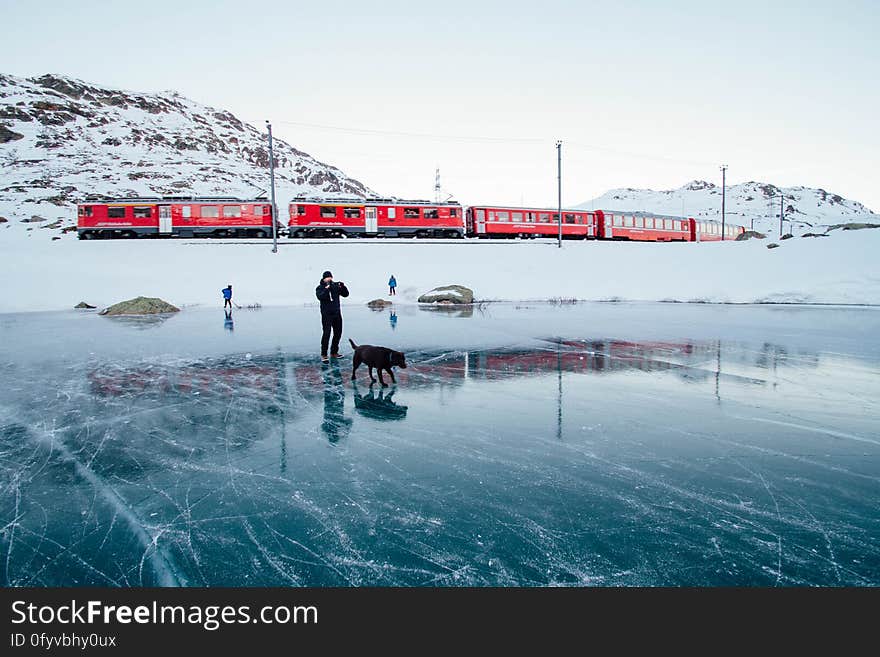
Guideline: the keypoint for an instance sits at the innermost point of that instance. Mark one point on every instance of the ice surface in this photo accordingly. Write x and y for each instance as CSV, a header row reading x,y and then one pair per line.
x,y
592,444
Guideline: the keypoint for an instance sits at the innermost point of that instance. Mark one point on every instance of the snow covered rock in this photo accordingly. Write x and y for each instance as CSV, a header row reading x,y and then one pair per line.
x,y
448,294
140,306
749,234
378,304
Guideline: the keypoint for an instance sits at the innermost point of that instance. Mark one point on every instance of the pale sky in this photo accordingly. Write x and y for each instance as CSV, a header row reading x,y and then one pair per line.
x,y
642,94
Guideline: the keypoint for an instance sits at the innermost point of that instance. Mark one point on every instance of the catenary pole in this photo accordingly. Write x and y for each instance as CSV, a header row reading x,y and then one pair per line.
x,y
272,184
559,188
781,210
723,197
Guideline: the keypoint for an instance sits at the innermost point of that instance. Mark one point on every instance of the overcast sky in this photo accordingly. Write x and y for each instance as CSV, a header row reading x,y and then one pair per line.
x,y
642,94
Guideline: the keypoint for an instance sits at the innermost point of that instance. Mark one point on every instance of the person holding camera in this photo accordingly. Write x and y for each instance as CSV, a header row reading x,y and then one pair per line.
x,y
328,293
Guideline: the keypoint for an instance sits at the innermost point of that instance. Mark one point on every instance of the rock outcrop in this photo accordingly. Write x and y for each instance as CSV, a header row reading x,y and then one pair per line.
x,y
140,306
457,294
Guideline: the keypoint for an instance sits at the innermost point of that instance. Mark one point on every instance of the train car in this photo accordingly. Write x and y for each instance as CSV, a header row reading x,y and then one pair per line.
x,y
641,226
509,222
709,230
174,217
373,217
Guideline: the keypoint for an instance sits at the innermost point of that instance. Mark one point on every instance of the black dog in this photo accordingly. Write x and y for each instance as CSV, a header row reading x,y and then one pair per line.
x,y
382,358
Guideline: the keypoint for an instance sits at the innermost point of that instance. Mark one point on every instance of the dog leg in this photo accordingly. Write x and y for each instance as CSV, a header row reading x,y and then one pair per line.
x,y
391,372
356,363
370,370
381,380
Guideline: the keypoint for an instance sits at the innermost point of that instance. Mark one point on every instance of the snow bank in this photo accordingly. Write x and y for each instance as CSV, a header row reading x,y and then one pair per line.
x,y
48,275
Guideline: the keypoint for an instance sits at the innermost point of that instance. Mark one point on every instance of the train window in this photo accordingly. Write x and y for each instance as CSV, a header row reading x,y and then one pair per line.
x,y
352,213
392,213
649,222
142,212
453,212
231,211
676,225
530,216
502,215
569,218
86,211
638,222
618,221
301,209
544,217
210,212
116,213
186,211
667,224
410,213
430,213
555,218
481,215
328,212
516,216
628,221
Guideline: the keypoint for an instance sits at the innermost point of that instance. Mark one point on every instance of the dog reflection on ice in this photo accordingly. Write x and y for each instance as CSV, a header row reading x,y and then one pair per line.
x,y
378,407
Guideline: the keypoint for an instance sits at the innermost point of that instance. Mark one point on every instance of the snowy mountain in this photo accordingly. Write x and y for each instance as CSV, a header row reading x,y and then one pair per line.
x,y
804,207
62,139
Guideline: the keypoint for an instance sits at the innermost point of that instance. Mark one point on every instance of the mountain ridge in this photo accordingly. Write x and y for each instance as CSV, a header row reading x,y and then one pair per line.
x,y
63,139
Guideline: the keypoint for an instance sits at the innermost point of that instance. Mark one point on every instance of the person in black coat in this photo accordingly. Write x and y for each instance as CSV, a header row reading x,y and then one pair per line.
x,y
328,293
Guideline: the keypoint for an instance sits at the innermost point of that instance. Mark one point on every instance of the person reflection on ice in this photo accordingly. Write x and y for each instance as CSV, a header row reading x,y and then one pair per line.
x,y
393,320
227,323
335,424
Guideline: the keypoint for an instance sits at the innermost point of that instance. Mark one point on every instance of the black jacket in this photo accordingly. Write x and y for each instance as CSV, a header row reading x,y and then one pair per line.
x,y
329,297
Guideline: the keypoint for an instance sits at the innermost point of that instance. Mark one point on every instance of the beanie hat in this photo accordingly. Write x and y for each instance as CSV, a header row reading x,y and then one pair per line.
x,y
326,274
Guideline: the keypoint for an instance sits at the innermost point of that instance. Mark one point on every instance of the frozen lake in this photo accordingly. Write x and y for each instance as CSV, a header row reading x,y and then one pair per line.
x,y
589,444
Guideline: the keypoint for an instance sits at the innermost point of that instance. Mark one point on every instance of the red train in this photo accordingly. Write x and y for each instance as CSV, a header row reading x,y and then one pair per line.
x,y
175,217
374,217
232,217
387,218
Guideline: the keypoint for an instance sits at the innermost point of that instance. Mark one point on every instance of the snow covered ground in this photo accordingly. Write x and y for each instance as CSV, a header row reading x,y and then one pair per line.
x,y
43,274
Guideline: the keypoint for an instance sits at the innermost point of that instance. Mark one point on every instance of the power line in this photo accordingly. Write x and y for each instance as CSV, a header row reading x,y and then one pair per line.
x,y
489,139
417,135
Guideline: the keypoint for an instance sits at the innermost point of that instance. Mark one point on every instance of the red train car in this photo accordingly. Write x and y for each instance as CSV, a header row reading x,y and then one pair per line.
x,y
500,222
709,230
175,217
373,217
641,226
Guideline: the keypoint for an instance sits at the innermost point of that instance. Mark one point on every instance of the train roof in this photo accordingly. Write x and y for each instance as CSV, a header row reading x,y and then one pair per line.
x,y
172,199
368,201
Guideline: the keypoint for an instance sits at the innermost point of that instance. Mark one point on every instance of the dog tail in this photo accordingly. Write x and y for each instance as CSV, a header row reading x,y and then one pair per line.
x,y
353,345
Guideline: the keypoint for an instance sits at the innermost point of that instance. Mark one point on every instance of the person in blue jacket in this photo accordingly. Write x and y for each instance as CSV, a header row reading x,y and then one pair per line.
x,y
227,296
392,285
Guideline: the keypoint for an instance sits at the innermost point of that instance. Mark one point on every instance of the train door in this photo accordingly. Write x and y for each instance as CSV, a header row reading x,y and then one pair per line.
x,y
608,219
164,219
371,223
480,221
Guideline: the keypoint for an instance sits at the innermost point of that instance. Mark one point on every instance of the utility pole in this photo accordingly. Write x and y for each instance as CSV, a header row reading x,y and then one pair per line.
x,y
272,183
437,186
781,210
723,197
559,181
